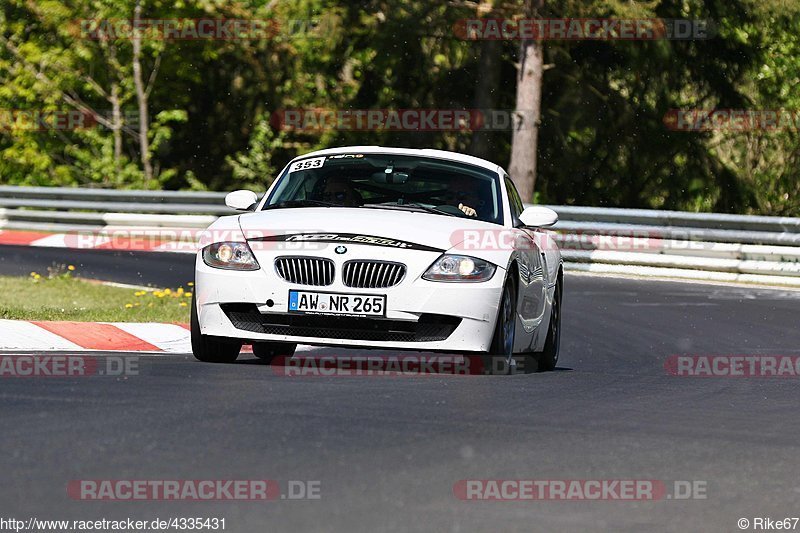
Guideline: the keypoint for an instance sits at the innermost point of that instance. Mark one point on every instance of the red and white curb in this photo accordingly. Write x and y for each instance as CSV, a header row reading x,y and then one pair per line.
x,y
145,337
152,240
90,336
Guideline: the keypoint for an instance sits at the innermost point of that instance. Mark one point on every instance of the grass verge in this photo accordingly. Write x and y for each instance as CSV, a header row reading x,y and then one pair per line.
x,y
59,296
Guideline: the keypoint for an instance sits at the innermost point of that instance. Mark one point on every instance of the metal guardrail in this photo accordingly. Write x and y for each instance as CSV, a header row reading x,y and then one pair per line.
x,y
708,246
120,201
112,195
679,219
703,246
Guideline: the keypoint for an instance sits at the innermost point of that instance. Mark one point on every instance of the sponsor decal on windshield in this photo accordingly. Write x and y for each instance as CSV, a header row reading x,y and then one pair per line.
x,y
346,156
368,240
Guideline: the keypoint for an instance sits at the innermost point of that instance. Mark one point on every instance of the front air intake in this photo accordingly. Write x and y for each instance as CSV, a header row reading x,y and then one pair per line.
x,y
315,271
372,274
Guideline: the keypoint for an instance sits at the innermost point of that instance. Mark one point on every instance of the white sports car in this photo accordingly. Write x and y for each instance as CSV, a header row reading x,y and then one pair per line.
x,y
390,248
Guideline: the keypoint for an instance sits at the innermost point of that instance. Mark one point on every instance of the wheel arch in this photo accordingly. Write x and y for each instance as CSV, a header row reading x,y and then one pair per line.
x,y
512,273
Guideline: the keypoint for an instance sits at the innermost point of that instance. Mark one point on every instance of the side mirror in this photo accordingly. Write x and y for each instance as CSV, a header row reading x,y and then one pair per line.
x,y
241,200
538,217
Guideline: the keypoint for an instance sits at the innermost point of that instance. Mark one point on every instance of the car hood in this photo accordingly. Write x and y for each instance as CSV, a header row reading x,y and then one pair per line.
x,y
382,227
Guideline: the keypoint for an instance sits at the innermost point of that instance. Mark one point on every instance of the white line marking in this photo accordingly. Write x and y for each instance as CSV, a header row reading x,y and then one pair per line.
x,y
21,335
51,241
169,337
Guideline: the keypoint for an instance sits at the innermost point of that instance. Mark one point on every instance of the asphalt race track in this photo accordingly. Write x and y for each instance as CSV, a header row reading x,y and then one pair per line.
x,y
387,451
135,268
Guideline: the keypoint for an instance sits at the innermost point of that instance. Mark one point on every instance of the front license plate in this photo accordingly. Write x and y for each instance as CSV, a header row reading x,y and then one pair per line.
x,y
328,303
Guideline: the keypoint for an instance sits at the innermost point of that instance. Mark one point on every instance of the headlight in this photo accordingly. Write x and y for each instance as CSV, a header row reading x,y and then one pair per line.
x,y
230,255
459,268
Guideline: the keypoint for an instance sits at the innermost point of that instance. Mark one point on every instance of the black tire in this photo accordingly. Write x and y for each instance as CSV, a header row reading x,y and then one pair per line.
x,y
208,349
500,358
548,358
267,351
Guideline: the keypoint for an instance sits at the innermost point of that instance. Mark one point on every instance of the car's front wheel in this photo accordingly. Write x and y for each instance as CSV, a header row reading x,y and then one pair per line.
x,y
267,351
500,358
209,349
548,358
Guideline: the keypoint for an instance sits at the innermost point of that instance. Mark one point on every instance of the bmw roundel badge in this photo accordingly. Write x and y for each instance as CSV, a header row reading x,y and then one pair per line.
x,y
340,250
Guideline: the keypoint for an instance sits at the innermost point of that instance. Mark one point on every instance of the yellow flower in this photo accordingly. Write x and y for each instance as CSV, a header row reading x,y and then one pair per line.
x,y
183,304
128,306
167,292
188,294
71,268
158,294
34,274
140,293
190,284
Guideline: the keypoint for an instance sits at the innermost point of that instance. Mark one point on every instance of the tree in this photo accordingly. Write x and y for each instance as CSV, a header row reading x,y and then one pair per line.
x,y
527,109
598,137
142,96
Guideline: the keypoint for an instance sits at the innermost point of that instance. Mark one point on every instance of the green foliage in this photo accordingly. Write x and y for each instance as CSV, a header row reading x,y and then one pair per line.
x,y
768,162
602,138
254,168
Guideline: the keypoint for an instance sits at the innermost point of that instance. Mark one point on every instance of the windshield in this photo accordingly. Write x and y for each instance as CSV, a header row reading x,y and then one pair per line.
x,y
391,182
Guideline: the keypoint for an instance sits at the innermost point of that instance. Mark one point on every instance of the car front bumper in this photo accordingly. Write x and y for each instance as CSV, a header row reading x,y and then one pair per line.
x,y
420,315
